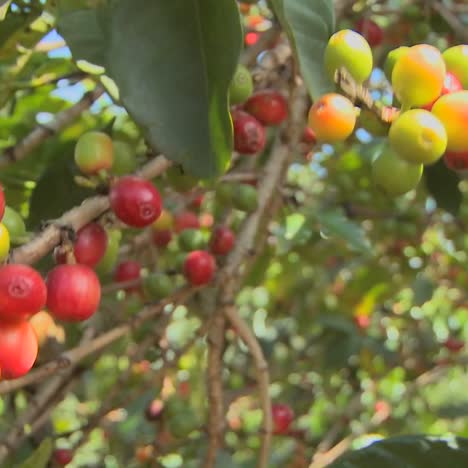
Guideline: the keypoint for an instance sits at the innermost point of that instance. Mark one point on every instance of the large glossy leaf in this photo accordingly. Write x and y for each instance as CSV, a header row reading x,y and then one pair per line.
x,y
4,4
409,452
442,184
172,62
309,24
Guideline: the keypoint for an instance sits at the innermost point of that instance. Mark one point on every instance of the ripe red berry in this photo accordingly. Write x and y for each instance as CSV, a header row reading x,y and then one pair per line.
x,y
90,245
73,292
249,133
199,267
309,136
135,201
371,31
63,456
197,201
18,348
2,203
22,292
283,416
222,240
186,220
454,344
128,271
268,106
362,321
456,161
451,85
162,238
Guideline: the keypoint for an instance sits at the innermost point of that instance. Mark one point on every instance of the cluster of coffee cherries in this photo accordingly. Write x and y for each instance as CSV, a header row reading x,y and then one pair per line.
x,y
430,117
253,111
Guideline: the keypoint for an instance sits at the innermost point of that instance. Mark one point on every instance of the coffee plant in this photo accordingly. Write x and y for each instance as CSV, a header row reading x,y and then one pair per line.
x,y
233,234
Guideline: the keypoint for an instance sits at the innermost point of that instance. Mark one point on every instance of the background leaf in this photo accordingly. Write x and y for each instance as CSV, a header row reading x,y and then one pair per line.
x,y
40,457
409,452
176,91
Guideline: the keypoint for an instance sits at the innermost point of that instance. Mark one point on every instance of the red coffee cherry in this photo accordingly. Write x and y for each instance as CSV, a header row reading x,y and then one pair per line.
x,y
162,238
73,292
371,31
222,241
249,133
22,292
186,220
18,348
135,201
90,245
268,106
451,85
199,267
63,456
456,161
309,136
283,416
127,271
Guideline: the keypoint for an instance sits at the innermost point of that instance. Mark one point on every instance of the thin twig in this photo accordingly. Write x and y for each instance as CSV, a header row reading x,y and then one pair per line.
x,y
263,380
452,20
39,134
77,217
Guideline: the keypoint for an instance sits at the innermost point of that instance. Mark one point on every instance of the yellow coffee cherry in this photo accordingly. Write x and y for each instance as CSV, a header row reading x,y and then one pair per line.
x,y
4,242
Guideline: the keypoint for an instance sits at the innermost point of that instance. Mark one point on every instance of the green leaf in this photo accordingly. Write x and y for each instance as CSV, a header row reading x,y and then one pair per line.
x,y
309,25
442,184
56,191
336,224
40,457
4,4
409,452
183,57
423,290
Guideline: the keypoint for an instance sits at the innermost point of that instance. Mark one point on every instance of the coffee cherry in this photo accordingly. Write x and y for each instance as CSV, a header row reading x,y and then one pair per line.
x,y
73,292
418,75
124,161
453,344
456,161
14,223
109,259
127,271
93,152
268,106
350,50
283,416
241,86
245,198
199,267
332,118
22,292
63,456
418,137
222,240
42,324
135,201
191,239
161,238
451,85
180,180
186,220
249,133
154,410
371,31
165,221
90,245
392,58
158,286
4,242
452,111
394,175
18,348
309,136
456,59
